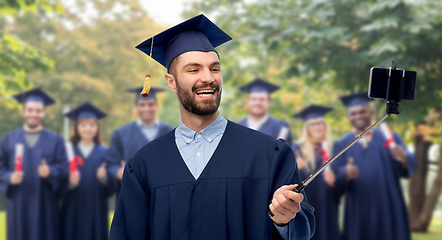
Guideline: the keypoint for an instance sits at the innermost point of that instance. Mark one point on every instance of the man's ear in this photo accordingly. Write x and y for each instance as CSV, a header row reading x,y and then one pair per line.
x,y
171,82
22,110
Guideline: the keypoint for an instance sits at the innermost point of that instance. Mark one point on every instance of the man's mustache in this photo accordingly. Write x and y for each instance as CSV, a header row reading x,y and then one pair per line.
x,y
211,85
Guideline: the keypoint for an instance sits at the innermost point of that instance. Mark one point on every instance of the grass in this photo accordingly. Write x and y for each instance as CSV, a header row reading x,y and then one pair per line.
x,y
434,232
2,225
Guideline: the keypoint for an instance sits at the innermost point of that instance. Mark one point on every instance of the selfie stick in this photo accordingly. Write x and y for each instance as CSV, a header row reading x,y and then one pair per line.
x,y
312,176
392,108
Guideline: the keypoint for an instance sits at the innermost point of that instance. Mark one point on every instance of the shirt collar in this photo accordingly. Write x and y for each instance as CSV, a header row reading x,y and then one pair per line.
x,y
256,124
209,133
154,124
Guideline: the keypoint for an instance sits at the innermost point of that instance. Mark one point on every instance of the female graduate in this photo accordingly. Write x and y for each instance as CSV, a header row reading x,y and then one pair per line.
x,y
85,210
311,152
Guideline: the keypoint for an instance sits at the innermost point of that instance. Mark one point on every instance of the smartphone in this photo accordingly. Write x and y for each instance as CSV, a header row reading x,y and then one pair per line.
x,y
391,84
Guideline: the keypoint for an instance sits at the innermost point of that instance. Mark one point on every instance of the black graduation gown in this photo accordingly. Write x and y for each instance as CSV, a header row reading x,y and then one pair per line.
x,y
271,127
125,142
160,198
374,202
325,200
85,208
33,206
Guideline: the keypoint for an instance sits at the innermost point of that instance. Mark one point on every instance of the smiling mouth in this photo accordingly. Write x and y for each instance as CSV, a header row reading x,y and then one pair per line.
x,y
205,92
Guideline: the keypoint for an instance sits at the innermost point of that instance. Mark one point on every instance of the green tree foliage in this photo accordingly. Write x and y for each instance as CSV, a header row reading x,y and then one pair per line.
x,y
315,38
330,47
92,44
17,57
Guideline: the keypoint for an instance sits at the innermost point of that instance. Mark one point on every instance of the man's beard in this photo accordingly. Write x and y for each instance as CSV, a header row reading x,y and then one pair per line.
x,y
32,126
203,109
362,127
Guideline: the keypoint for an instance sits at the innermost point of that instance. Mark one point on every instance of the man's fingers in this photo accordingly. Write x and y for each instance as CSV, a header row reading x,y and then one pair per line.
x,y
278,216
286,205
294,196
287,187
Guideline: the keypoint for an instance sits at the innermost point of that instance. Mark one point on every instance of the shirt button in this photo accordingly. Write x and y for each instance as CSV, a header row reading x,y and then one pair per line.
x,y
209,139
188,141
198,154
198,136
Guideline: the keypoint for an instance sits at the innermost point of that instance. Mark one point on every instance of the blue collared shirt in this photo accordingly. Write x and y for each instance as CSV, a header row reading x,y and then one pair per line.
x,y
196,148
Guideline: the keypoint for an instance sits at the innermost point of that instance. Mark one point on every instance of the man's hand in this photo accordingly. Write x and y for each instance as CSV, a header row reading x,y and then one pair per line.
x,y
399,154
300,161
16,178
329,177
101,172
43,169
351,170
120,172
74,178
285,204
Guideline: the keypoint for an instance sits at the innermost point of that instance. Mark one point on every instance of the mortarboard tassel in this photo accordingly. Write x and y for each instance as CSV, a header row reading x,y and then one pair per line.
x,y
146,85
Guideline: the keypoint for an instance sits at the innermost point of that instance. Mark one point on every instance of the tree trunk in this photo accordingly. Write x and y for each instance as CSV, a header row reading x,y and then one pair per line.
x,y
433,196
417,184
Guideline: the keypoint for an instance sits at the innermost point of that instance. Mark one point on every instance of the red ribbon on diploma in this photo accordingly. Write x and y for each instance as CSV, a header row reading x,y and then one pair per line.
x,y
74,163
18,157
18,164
324,153
388,134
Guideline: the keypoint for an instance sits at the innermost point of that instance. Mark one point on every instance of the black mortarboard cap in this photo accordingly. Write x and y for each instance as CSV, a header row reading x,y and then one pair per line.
x,y
312,112
35,94
195,34
86,110
259,85
355,99
152,93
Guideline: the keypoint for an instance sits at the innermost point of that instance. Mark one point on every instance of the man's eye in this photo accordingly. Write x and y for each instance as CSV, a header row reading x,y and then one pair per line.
x,y
216,69
193,70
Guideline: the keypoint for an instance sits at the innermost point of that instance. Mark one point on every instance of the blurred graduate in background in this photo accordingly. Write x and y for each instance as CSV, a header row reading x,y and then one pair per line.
x,y
128,139
258,104
33,165
369,173
311,151
85,208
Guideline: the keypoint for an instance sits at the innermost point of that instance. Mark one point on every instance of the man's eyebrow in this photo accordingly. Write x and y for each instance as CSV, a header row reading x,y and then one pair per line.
x,y
192,65
199,65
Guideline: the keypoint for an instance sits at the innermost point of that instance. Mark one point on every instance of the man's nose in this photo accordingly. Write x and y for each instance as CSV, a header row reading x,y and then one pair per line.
x,y
207,76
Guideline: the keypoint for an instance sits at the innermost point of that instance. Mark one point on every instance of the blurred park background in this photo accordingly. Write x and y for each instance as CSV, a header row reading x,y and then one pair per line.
x,y
315,50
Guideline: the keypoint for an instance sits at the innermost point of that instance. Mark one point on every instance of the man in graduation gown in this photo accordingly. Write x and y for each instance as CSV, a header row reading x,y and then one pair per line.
x,y
258,103
369,173
128,139
209,178
33,165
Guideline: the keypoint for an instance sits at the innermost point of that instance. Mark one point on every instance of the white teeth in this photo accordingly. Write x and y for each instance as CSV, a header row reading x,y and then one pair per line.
x,y
201,92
